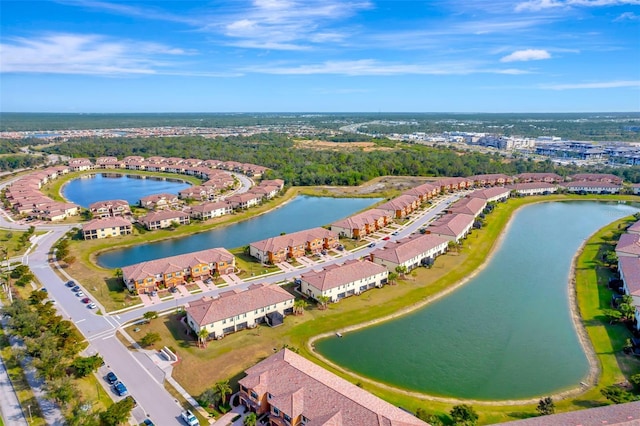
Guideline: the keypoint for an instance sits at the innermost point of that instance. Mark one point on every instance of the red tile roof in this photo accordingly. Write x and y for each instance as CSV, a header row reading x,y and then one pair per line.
x,y
322,397
400,251
208,310
629,243
336,275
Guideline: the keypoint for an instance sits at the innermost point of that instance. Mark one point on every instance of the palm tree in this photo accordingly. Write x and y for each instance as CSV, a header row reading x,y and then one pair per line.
x,y
392,277
202,337
222,389
250,420
401,270
299,306
323,300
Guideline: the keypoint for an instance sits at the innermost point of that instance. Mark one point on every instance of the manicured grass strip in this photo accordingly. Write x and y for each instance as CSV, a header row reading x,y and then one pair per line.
x,y
20,384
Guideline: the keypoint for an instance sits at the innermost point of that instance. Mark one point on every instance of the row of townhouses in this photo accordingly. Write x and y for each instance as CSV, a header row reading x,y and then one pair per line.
x,y
164,273
25,197
165,215
628,252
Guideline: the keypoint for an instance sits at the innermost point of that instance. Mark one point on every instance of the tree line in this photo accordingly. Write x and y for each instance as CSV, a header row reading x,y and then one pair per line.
x,y
304,166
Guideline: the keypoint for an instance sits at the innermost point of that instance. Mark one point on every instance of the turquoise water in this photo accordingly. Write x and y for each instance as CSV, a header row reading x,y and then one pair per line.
x,y
112,186
506,334
300,213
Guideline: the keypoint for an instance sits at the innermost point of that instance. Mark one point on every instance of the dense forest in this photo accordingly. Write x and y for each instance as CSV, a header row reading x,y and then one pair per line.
x,y
13,162
307,166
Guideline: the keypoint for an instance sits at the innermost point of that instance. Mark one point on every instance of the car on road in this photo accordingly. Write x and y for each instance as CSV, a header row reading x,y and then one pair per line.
x,y
79,294
44,290
86,300
372,245
395,233
92,305
70,284
111,377
387,238
76,288
148,422
120,389
189,418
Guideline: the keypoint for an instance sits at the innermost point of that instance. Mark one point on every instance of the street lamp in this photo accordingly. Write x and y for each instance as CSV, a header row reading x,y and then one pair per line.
x,y
30,418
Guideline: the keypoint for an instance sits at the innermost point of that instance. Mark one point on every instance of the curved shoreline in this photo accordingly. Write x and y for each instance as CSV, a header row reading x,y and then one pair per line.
x,y
581,332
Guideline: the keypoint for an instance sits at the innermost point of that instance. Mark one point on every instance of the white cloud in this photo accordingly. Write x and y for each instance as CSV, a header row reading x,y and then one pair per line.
x,y
526,55
285,25
627,16
596,85
537,5
64,53
371,67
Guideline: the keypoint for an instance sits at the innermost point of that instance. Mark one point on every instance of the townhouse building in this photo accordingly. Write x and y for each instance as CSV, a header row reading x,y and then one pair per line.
x,y
105,228
493,194
533,188
110,208
291,390
210,210
628,245
160,201
164,219
236,310
290,246
423,192
539,177
453,227
153,275
401,206
491,179
244,201
339,281
596,177
80,164
361,224
410,252
107,163
592,187
468,205
634,228
629,270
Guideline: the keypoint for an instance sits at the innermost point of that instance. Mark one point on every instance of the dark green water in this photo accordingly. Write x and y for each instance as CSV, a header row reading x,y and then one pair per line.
x,y
507,334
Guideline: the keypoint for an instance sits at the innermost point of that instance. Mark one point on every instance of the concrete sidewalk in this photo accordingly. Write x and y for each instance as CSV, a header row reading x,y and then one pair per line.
x,y
10,408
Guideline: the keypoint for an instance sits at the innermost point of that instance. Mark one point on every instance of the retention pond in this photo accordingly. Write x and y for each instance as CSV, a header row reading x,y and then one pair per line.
x,y
300,213
506,334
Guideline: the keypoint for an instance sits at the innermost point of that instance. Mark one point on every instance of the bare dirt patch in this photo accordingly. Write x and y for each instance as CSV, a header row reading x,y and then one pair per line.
x,y
339,146
378,185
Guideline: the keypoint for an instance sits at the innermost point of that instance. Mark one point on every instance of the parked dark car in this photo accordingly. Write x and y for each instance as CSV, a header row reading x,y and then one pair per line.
x,y
70,284
120,389
111,377
76,288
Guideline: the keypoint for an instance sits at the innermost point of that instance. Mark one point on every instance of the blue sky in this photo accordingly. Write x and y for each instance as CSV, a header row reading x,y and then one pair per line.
x,y
323,56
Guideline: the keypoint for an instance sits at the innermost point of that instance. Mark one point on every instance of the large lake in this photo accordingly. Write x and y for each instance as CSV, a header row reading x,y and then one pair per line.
x,y
507,334
111,186
300,213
